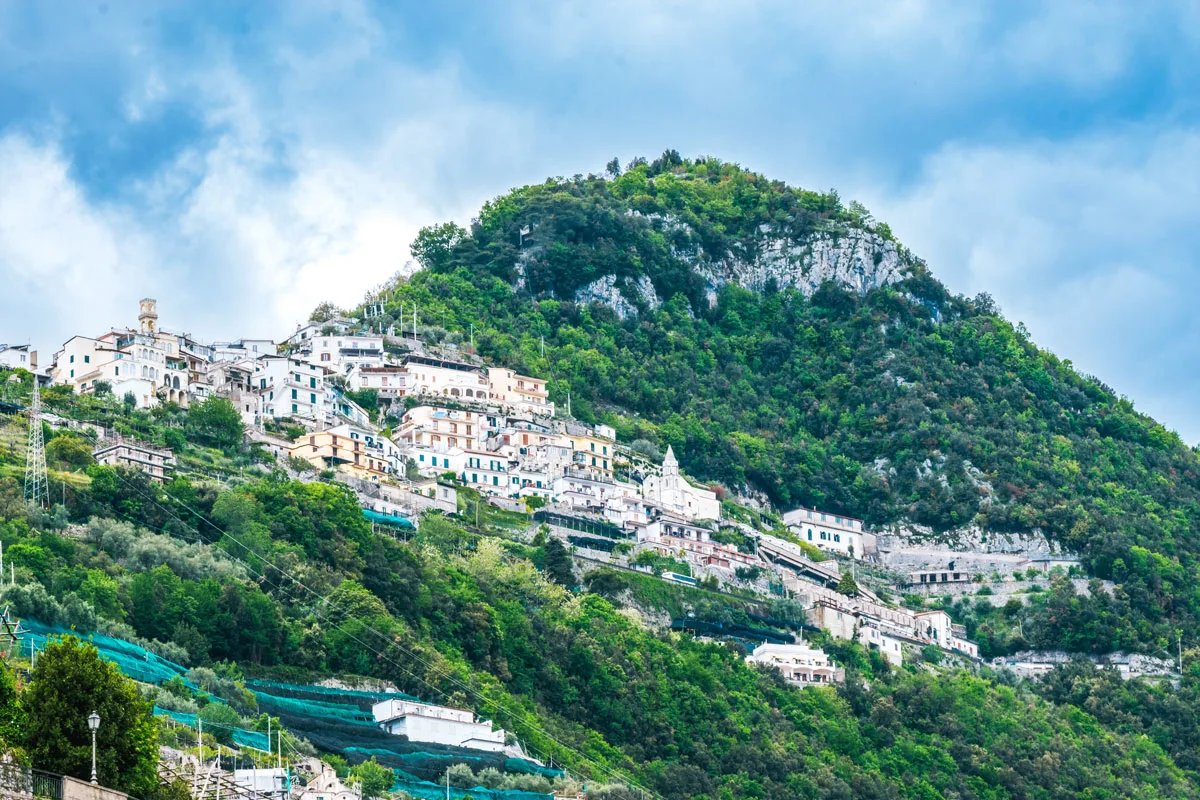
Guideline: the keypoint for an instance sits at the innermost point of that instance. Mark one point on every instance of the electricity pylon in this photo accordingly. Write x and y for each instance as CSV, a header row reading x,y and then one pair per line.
x,y
37,485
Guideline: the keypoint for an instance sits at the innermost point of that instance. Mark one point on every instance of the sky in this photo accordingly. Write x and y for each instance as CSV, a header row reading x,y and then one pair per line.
x,y
243,162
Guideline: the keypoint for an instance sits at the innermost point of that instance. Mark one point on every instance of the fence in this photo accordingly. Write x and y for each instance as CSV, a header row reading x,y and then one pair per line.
x,y
23,782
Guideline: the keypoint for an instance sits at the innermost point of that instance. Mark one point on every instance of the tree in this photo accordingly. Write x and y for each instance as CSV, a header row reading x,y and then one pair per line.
x,y
847,585
175,439
613,168
71,680
102,388
374,777
216,422
11,716
324,313
223,720
70,450
558,564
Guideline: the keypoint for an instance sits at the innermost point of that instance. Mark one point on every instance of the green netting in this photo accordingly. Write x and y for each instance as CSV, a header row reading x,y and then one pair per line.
x,y
432,791
340,721
385,519
136,662
334,720
280,689
240,736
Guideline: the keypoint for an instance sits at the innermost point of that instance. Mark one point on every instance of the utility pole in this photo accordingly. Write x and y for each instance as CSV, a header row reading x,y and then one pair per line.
x,y
37,486
199,754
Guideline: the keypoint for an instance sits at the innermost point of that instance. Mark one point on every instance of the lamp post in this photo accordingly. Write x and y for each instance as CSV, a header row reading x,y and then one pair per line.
x,y
93,726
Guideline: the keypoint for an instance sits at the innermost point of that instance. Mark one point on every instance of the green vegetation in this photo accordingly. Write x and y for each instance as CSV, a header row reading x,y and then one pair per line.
x,y
904,403
901,403
71,681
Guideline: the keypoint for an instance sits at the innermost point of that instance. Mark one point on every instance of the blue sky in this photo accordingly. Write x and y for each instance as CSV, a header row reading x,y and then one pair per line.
x,y
243,162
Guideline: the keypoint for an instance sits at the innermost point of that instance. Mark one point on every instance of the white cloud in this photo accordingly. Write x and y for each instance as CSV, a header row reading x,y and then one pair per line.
x,y
60,258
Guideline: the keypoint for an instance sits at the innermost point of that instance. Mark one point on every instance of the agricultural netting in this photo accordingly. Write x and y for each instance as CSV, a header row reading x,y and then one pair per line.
x,y
335,720
431,791
241,736
136,662
340,721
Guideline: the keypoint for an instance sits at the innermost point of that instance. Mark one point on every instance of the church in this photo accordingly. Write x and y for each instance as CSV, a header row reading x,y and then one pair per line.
x,y
673,492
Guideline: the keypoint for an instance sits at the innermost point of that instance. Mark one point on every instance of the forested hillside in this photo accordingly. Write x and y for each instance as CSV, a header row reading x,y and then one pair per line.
x,y
900,404
265,577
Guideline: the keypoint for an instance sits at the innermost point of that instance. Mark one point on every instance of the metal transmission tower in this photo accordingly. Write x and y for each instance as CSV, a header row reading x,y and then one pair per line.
x,y
37,485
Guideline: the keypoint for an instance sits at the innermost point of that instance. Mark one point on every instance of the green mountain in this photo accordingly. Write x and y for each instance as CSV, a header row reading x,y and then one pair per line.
x,y
787,347
784,344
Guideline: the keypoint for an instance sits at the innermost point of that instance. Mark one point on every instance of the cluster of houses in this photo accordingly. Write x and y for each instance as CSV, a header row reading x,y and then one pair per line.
x,y
458,423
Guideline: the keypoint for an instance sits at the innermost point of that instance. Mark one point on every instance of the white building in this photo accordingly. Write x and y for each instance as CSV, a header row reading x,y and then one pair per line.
x,y
490,473
438,377
798,663
679,538
18,356
831,532
265,782
342,353
289,387
422,722
311,329
673,492
242,349
148,363
326,785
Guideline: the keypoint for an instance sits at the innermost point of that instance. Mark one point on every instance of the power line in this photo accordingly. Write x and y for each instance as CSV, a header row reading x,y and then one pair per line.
x,y
325,601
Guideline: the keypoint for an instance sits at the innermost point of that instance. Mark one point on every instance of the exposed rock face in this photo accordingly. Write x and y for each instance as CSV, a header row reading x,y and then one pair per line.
x,y
857,259
625,298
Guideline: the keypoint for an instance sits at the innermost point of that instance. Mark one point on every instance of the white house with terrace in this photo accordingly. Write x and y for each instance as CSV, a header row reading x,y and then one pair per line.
x,y
832,532
799,664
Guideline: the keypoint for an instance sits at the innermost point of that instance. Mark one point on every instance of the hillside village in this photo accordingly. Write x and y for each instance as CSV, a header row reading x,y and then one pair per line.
x,y
443,421
412,429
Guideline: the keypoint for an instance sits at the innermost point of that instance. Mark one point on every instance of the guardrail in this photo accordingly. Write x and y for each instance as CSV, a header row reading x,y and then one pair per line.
x,y
18,781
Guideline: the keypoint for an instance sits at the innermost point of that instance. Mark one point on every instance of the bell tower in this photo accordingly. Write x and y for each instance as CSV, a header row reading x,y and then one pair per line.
x,y
148,316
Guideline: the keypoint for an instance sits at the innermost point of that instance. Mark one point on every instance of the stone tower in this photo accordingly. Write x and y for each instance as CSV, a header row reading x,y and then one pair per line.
x,y
670,472
148,316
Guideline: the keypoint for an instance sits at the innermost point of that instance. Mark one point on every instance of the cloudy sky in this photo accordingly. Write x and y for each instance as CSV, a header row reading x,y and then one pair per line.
x,y
242,163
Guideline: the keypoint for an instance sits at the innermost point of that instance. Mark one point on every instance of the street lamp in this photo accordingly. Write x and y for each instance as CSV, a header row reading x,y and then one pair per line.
x,y
93,726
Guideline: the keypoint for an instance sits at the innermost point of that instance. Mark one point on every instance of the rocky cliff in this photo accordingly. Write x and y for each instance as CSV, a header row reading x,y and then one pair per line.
x,y
858,259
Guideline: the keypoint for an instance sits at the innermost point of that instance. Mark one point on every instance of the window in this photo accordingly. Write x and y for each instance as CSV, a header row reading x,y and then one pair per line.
x,y
72,359
72,373
312,383
294,409
495,481
87,359
312,398
116,370
837,537
324,356
810,534
293,394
